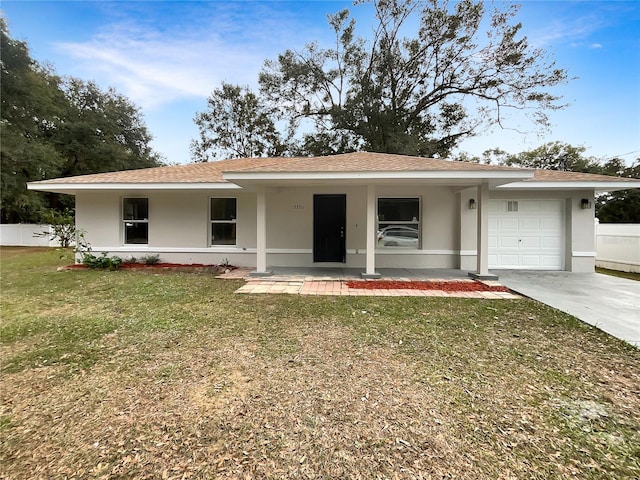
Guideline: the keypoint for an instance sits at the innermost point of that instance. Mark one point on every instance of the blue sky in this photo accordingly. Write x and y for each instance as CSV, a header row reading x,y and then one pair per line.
x,y
167,57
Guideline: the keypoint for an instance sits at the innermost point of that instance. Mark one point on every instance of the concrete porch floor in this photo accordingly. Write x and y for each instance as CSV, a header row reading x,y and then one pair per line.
x,y
338,274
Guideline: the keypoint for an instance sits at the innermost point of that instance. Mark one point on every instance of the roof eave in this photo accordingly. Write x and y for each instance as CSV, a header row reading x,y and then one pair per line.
x,y
599,186
73,188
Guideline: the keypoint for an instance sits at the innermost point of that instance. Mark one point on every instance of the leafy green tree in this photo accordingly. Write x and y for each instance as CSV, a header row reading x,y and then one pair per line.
x,y
235,125
101,131
554,156
461,69
495,156
53,128
622,206
31,103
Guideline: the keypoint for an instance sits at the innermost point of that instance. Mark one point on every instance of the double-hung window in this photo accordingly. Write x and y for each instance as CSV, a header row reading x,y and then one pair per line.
x,y
399,222
223,221
135,215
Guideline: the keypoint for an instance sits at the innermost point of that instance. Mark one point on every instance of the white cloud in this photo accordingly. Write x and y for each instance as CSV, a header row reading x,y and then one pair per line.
x,y
564,29
156,61
596,45
153,71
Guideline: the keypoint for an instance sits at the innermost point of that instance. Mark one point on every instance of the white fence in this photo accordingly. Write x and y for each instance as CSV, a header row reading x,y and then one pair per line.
x,y
23,235
618,246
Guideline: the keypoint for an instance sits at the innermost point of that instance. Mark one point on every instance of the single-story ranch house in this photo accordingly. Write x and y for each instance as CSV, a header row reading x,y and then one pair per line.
x,y
360,210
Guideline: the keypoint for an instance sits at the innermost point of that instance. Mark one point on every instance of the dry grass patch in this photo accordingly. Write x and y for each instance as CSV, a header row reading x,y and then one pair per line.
x,y
173,376
229,412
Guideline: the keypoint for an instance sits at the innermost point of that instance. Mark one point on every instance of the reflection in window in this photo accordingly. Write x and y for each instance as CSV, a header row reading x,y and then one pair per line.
x,y
399,222
135,215
223,221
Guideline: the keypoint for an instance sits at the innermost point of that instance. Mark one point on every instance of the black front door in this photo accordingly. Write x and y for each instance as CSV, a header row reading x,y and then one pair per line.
x,y
329,225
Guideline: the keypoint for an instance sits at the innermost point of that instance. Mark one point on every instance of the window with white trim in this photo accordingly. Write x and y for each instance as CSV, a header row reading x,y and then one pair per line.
x,y
135,217
223,214
399,222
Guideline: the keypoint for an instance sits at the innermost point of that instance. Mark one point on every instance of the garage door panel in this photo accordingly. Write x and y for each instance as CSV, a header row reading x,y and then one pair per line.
x,y
508,223
509,260
551,206
529,223
498,206
529,206
551,262
530,260
508,242
552,242
531,237
530,242
551,223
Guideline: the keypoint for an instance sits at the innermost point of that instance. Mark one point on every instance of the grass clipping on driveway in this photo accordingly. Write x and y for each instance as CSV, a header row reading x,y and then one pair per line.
x,y
151,375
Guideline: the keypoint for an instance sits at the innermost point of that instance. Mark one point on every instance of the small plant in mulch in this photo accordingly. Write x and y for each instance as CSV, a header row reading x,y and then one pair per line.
x,y
88,259
102,262
464,286
150,259
225,266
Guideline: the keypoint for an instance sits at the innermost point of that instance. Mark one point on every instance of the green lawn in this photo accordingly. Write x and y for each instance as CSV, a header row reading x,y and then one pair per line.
x,y
617,273
172,375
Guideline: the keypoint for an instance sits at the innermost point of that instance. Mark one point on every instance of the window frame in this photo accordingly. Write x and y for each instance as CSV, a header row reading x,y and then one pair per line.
x,y
233,222
137,221
387,223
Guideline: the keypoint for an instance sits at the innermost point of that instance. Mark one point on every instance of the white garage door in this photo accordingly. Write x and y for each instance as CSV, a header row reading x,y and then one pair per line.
x,y
527,234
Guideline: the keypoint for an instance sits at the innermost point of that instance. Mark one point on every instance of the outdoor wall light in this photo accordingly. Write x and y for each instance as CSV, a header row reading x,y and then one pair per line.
x,y
472,204
585,204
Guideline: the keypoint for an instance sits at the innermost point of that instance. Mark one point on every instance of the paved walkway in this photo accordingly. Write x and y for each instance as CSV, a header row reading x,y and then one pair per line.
x,y
611,304
340,287
334,282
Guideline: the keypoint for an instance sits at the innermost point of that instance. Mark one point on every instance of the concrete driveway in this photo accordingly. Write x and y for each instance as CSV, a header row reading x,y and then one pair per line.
x,y
609,303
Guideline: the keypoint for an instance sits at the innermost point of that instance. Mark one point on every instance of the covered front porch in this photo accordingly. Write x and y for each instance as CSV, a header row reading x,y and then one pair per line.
x,y
451,223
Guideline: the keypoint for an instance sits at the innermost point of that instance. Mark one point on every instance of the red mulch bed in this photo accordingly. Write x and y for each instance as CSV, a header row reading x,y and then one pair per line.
x,y
127,266
474,286
166,265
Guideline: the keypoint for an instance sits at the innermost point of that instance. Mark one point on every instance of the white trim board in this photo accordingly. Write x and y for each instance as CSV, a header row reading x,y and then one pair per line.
x,y
596,186
289,251
72,187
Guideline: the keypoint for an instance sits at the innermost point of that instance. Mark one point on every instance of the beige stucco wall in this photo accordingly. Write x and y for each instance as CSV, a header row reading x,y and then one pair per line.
x,y
290,226
179,226
98,216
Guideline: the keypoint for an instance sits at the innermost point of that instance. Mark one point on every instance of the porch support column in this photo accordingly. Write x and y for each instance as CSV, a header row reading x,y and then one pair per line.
x,y
370,226
261,234
482,254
